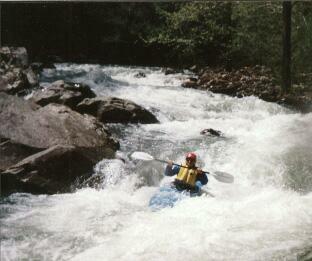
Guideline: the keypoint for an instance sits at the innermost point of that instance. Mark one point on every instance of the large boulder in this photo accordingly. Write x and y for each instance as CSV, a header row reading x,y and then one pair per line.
x,y
69,145
115,110
69,94
43,127
50,171
12,152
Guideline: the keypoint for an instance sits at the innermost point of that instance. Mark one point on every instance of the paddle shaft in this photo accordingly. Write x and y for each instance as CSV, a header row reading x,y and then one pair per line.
x,y
218,175
164,161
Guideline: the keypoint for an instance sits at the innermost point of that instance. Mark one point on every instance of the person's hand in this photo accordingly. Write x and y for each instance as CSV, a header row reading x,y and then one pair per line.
x,y
198,186
170,163
200,171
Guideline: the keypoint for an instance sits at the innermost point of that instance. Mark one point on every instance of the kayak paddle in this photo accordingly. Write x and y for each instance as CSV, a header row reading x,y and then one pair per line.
x,y
218,175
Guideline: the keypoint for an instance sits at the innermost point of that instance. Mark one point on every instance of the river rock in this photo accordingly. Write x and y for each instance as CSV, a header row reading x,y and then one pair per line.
x,y
140,75
69,94
42,127
212,132
171,70
247,81
72,144
12,152
115,110
50,171
191,83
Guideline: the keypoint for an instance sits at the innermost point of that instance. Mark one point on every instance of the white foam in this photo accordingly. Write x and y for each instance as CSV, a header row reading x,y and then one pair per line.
x,y
264,215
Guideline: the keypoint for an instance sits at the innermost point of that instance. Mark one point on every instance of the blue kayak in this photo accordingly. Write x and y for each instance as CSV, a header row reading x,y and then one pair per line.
x,y
168,196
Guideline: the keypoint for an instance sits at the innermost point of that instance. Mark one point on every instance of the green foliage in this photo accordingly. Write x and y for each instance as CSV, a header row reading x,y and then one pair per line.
x,y
257,33
232,33
195,31
302,41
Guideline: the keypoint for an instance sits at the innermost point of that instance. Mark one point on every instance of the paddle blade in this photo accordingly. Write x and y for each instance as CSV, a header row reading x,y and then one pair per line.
x,y
140,155
223,177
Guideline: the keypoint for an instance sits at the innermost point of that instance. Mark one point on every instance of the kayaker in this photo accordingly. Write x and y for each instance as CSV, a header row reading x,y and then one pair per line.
x,y
189,177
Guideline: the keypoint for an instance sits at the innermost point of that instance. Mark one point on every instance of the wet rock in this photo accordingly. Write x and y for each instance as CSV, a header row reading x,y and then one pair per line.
x,y
211,132
70,144
170,71
246,81
42,127
191,83
50,171
115,110
12,152
69,94
140,75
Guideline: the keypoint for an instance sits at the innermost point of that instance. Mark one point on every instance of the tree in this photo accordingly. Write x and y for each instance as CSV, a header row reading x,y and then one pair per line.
x,y
286,63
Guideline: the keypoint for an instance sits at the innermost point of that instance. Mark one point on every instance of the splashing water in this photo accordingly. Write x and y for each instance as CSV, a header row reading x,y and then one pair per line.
x,y
265,215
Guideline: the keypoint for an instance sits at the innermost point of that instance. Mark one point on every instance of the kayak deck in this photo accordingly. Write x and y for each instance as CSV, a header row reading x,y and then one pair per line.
x,y
168,196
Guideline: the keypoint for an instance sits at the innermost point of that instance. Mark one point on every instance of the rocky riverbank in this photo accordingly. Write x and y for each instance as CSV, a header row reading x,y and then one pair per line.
x,y
54,139
250,81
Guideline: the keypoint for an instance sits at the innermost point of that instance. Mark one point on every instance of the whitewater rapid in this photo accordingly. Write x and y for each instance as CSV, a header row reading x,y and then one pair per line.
x,y
265,215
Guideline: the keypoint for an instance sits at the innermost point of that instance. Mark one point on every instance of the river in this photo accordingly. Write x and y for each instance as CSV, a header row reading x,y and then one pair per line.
x,y
266,214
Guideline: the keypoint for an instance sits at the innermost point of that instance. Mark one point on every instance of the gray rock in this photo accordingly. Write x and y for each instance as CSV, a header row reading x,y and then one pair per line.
x,y
115,110
70,144
23,122
51,171
26,123
32,77
69,94
140,75
12,152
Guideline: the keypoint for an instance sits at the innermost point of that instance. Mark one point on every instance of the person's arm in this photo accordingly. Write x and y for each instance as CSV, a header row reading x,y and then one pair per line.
x,y
171,169
202,177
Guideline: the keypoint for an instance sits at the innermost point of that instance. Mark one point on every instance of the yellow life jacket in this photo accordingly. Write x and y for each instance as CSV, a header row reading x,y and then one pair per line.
x,y
187,175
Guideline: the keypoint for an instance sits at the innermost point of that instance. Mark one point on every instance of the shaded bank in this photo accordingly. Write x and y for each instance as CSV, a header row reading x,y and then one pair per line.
x,y
250,81
106,33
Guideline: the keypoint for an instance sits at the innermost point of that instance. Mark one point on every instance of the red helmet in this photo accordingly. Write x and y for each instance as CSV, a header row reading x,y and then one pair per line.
x,y
191,156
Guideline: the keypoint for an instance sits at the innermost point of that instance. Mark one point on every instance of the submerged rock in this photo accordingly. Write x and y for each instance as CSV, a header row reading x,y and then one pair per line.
x,y
140,75
69,94
115,110
211,132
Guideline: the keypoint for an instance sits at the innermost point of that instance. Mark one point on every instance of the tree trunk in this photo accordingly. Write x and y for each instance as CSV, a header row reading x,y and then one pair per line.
x,y
286,67
0,27
70,35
